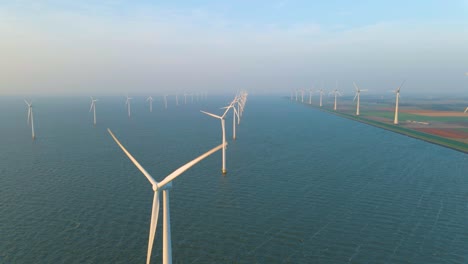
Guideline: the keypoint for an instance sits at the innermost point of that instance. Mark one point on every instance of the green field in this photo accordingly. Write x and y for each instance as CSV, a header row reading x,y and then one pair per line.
x,y
446,142
420,118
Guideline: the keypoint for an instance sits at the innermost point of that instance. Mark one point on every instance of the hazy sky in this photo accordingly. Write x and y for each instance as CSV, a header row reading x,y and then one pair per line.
x,y
115,47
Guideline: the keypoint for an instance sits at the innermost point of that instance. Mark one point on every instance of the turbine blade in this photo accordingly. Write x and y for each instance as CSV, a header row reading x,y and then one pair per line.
x,y
147,175
210,114
227,110
92,104
153,225
187,166
355,86
398,90
355,97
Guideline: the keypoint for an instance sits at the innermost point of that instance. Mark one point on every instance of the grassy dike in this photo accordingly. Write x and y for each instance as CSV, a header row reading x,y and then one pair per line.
x,y
445,142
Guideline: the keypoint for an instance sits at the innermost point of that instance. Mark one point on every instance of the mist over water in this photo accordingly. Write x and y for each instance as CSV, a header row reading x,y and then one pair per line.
x,y
303,186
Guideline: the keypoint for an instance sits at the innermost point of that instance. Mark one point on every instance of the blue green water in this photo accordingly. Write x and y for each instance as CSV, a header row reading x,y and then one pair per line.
x,y
303,186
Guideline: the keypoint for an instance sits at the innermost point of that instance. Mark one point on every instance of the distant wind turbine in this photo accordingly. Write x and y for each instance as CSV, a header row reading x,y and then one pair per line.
x,y
397,93
127,102
185,98
164,186
310,95
177,99
302,95
321,91
466,110
234,113
150,99
357,95
30,118
223,169
336,93
93,107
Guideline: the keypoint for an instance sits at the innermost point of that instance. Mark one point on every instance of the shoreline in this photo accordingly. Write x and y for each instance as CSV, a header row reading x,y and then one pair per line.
x,y
457,146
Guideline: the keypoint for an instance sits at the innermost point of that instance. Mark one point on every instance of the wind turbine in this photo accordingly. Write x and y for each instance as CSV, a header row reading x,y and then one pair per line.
x,y
302,95
164,186
30,118
150,99
185,98
165,101
234,113
397,93
358,95
321,94
310,96
223,169
177,99
466,110
335,93
127,102
93,107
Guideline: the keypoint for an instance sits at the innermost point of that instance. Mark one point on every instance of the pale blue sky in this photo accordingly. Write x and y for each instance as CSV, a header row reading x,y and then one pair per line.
x,y
81,47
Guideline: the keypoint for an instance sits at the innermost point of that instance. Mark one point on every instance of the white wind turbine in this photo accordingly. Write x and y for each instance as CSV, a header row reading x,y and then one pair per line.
x,y
93,107
466,110
358,95
164,186
127,102
321,95
335,93
177,99
165,101
223,169
30,118
234,113
310,95
397,93
302,95
150,99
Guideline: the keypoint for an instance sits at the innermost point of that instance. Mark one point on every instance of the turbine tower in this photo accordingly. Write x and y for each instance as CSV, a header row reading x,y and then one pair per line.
x,y
357,95
223,168
164,186
31,118
165,101
311,91
93,107
127,102
150,99
397,93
